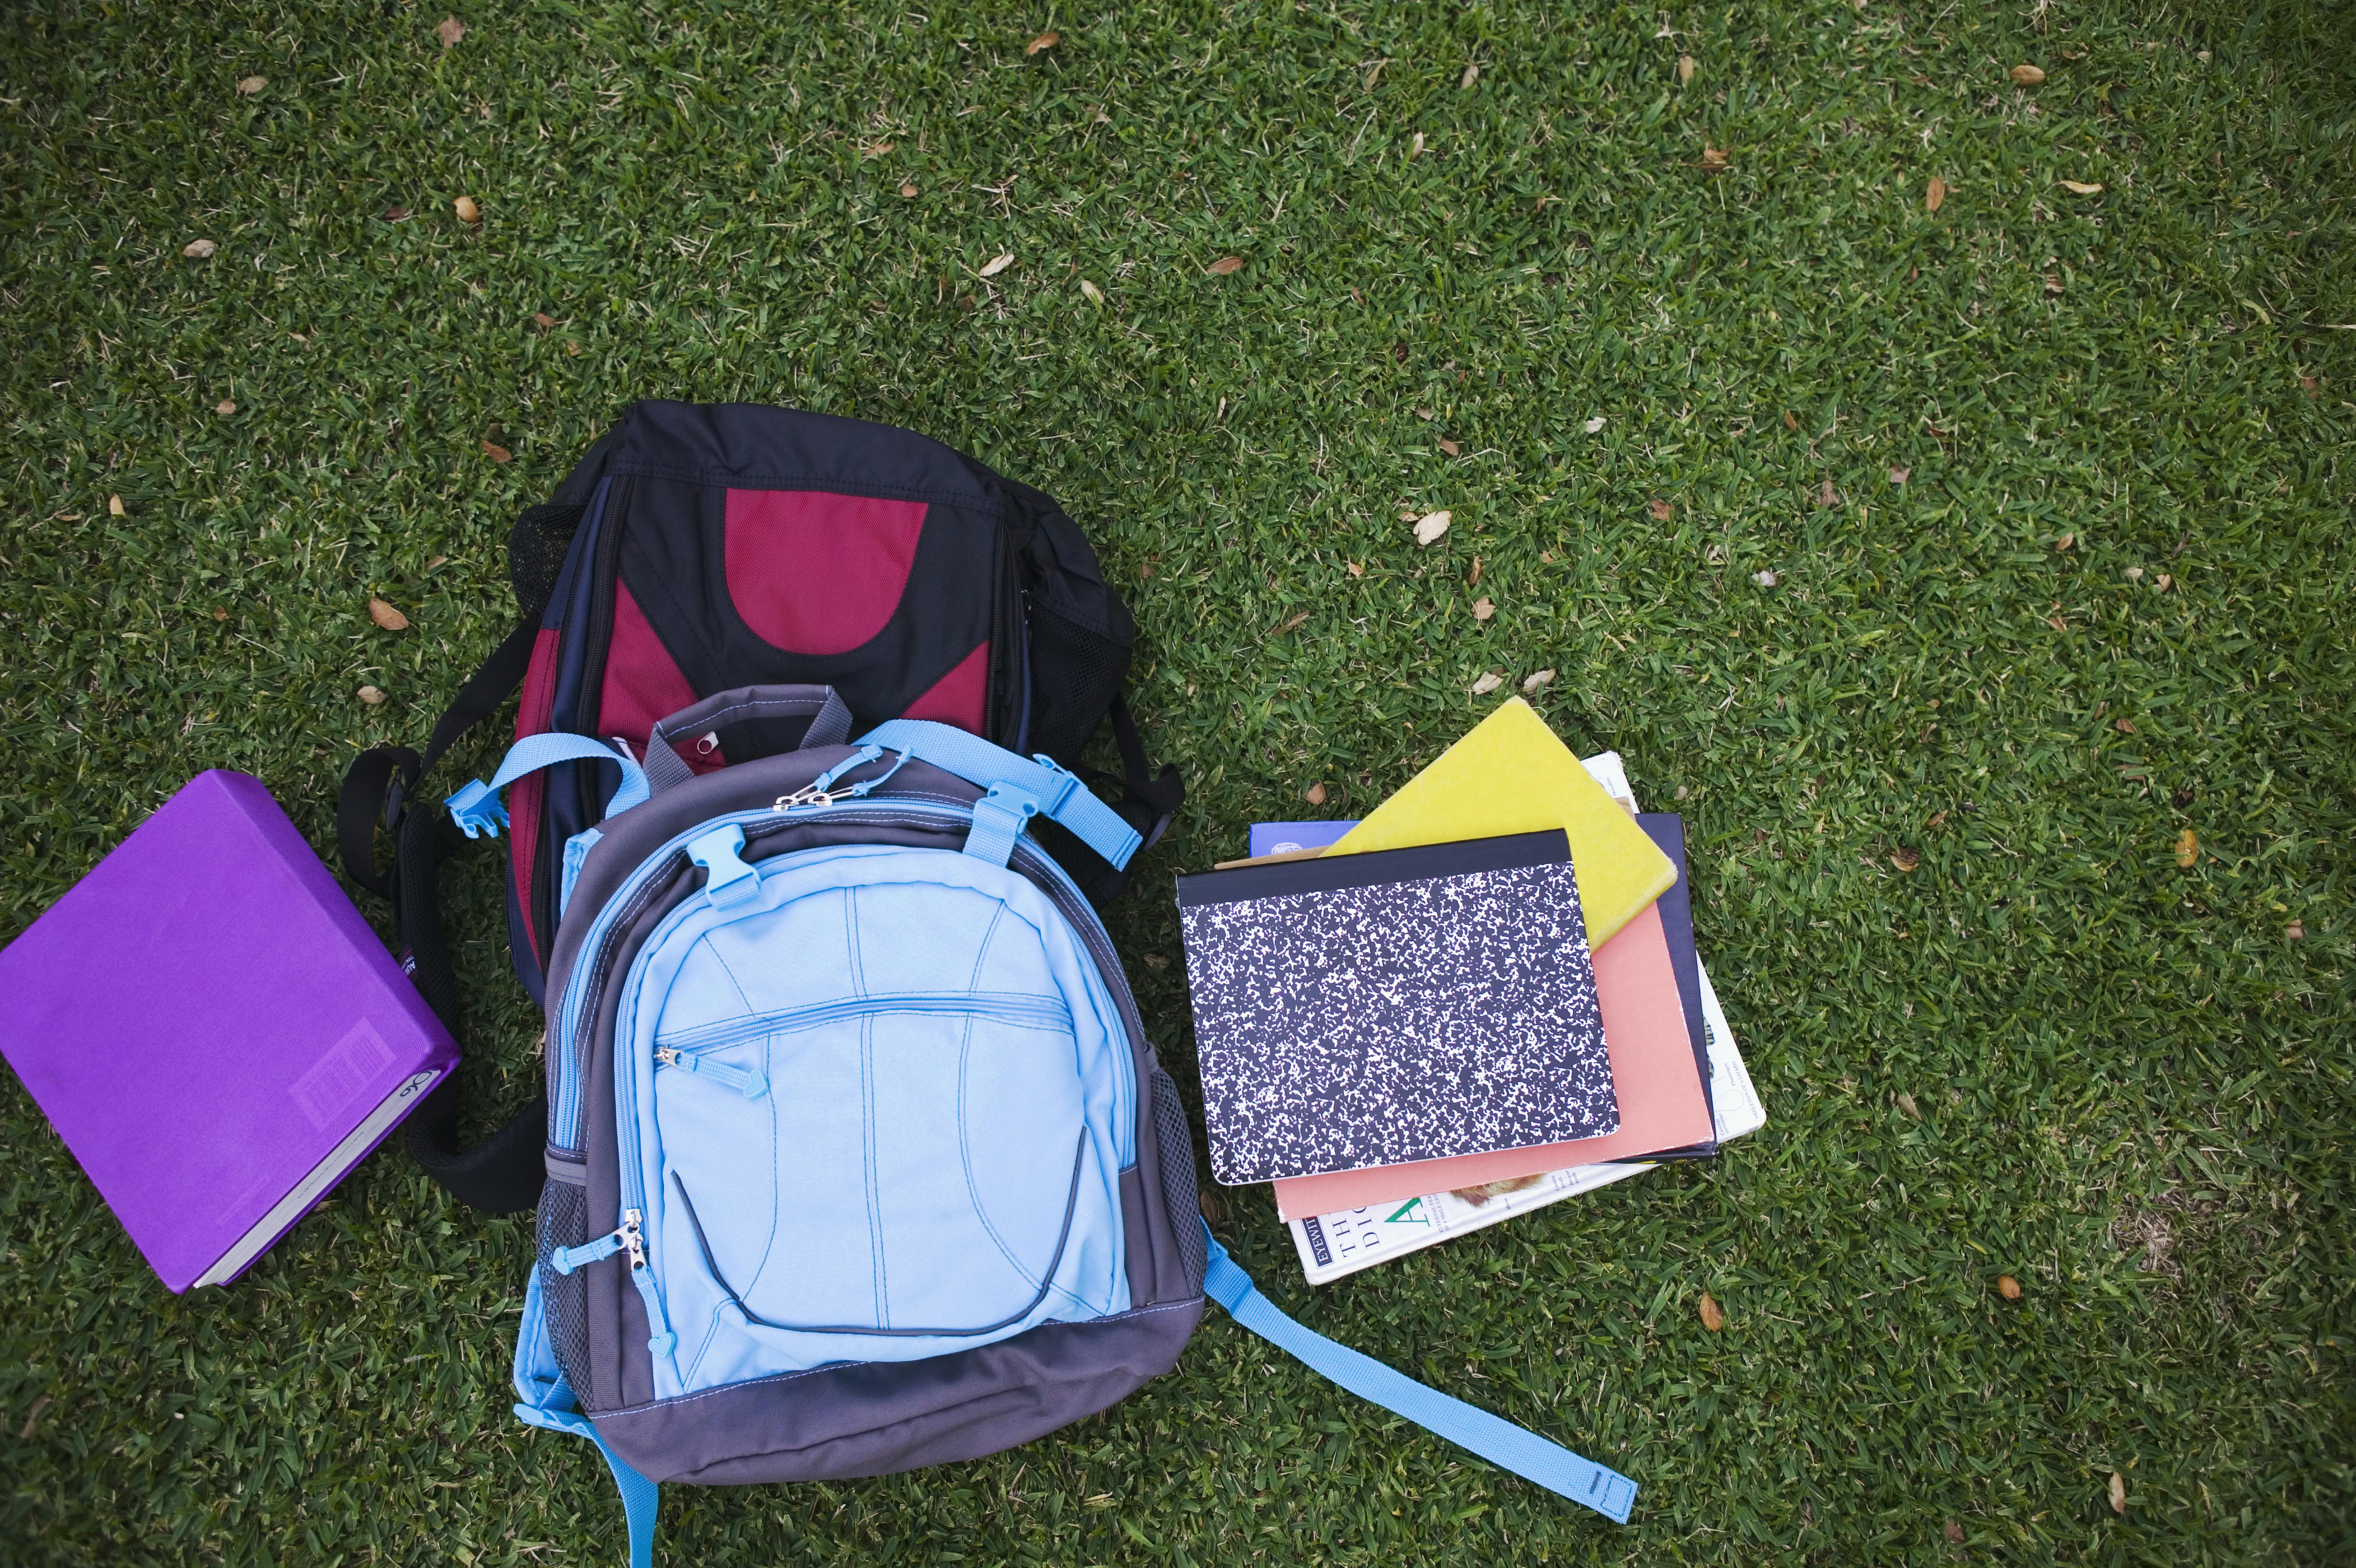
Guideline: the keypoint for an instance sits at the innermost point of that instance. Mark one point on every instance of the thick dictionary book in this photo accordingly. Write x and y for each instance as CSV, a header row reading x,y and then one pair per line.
x,y
1407,1005
213,1029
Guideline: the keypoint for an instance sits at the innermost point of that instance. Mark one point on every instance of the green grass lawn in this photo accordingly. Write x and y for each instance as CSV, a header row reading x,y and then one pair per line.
x,y
2050,485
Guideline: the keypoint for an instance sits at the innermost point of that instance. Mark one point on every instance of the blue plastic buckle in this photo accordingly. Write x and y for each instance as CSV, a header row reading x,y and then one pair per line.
x,y
730,880
476,808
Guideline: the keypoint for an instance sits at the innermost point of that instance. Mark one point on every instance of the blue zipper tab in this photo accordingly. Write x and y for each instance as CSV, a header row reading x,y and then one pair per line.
x,y
751,1085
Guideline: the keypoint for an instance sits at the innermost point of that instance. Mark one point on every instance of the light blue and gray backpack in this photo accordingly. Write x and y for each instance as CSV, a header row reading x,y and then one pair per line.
x,y
858,1158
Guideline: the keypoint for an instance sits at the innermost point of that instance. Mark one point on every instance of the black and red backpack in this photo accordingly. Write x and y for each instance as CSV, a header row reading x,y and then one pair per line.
x,y
698,549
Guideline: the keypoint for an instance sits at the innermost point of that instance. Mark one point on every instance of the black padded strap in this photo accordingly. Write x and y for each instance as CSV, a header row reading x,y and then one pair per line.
x,y
1158,794
503,1174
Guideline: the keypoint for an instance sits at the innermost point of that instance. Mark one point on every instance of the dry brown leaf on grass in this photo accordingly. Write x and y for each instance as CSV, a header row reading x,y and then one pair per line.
x,y
1450,446
1474,580
114,507
1472,74
247,86
1712,160
1488,683
2118,1493
1094,295
1288,625
1905,857
2165,581
1660,510
908,189
1225,266
542,319
1314,794
467,211
2080,188
1906,1103
1414,147
1043,41
2008,1287
385,615
996,264
2125,727
1482,608
219,613
2188,849
1827,496
1955,1533
2296,931
198,250
1712,1317
1935,194
395,214
370,695
1685,67
450,30
496,453
1899,475
1356,569
1791,420
1594,425
2026,76
1542,679
433,561
226,407
1430,526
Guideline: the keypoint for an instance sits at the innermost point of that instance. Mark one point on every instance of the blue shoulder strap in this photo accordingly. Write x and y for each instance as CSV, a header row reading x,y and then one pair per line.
x,y
1018,787
543,1399
476,807
1500,1441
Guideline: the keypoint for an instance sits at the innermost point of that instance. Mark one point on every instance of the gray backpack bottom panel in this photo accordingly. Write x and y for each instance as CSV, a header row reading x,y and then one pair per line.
x,y
876,1418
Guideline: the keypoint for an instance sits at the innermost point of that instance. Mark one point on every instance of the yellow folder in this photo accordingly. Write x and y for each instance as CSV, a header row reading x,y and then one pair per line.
x,y
1512,776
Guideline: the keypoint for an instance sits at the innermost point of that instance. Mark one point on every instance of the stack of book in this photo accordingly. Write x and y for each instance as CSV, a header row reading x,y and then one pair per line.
x,y
1481,999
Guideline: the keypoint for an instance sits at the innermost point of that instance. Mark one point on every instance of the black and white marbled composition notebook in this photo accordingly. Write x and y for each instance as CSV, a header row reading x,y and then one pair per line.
x,y
1404,1005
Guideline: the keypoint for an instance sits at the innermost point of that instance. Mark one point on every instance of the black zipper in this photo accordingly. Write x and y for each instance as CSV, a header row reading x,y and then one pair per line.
x,y
1002,681
603,569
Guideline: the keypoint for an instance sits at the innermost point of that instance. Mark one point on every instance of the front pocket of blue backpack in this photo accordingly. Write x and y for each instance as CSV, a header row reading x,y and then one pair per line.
x,y
882,1122
924,1164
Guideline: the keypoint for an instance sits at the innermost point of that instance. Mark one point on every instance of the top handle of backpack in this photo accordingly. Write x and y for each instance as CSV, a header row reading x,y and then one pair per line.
x,y
829,715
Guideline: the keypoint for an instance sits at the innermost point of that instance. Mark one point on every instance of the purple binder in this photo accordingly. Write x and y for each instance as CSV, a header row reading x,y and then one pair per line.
x,y
213,1029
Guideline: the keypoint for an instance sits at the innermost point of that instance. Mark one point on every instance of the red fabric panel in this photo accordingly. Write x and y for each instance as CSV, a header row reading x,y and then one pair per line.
x,y
812,572
524,797
957,698
643,685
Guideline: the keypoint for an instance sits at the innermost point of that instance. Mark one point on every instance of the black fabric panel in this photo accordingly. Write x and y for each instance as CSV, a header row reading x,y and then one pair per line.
x,y
674,560
754,446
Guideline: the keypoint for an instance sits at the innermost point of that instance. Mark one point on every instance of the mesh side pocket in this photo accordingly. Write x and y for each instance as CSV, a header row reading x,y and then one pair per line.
x,y
565,1222
537,546
1178,1188
1075,675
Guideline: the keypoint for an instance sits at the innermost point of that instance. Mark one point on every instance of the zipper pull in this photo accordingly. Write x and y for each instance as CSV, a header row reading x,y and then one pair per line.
x,y
663,1341
632,1237
751,1085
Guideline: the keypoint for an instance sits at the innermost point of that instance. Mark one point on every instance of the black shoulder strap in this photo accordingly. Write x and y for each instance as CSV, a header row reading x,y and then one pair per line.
x,y
1145,800
503,1174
